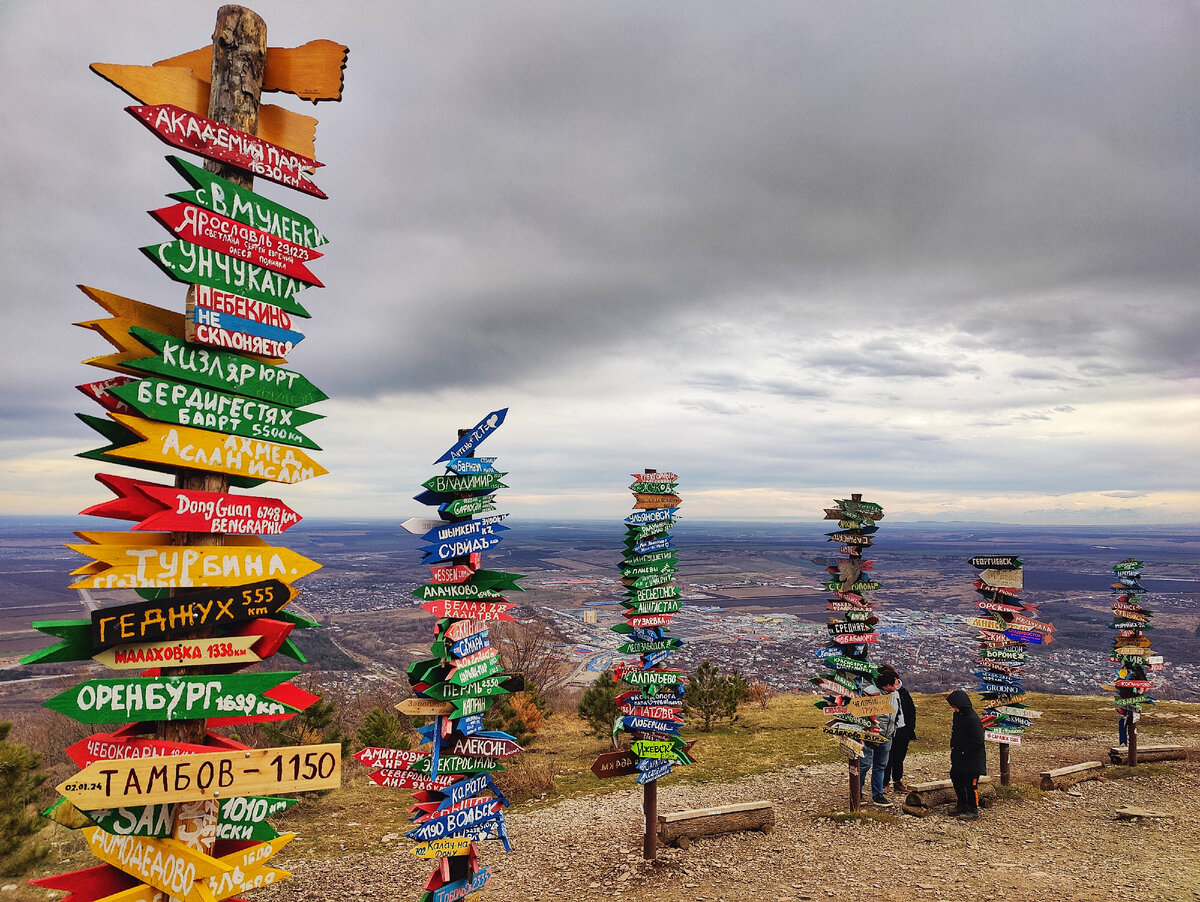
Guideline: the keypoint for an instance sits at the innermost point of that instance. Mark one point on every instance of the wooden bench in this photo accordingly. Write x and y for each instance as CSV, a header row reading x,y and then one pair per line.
x,y
1119,754
922,797
1062,777
681,827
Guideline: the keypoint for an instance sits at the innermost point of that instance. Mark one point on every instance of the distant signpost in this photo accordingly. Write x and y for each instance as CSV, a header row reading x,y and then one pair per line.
x,y
849,694
1010,625
648,710
1133,661
458,804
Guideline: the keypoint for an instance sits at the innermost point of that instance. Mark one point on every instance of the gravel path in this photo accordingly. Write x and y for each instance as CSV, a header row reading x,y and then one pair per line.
x,y
1068,847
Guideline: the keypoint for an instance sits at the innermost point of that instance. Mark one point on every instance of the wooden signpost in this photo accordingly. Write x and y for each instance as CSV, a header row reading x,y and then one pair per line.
x,y
847,686
1004,637
458,805
1131,655
211,419
649,710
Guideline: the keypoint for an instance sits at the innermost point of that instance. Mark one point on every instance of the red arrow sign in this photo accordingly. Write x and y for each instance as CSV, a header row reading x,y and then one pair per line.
x,y
228,236
470,610
216,141
89,884
120,744
167,509
101,393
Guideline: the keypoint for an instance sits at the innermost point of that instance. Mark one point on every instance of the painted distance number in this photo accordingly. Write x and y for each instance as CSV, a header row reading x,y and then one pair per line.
x,y
314,765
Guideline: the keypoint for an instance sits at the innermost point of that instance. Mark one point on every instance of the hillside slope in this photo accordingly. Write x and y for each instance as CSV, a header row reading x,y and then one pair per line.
x,y
1060,845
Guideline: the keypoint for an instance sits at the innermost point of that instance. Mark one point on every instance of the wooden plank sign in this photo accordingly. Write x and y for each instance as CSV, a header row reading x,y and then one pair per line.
x,y
207,408
424,707
186,566
111,700
181,652
197,449
870,705
226,144
472,439
181,615
657,501
182,778
1008,578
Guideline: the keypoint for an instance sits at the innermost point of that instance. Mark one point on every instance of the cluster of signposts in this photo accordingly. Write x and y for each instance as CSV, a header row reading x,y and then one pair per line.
x,y
650,711
1132,659
458,804
1007,627
849,695
169,807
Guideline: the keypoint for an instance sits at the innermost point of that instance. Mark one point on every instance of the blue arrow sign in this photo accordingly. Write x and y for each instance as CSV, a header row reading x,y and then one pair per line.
x,y
470,645
466,529
485,427
458,548
471,786
649,724
653,769
466,465
652,545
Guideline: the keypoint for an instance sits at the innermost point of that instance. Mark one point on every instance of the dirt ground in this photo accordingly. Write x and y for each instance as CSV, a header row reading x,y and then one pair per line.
x,y
1063,845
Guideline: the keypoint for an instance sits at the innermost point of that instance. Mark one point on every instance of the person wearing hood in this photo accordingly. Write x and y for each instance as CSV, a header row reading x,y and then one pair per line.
x,y
968,755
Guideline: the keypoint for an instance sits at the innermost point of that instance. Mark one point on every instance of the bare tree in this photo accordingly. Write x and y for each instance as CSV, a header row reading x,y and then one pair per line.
x,y
531,648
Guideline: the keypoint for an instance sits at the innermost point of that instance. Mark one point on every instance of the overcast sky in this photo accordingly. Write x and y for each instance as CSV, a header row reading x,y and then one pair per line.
x,y
943,254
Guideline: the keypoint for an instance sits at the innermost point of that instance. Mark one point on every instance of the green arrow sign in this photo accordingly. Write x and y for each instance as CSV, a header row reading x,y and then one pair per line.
x,y
231,372
470,482
75,642
243,205
172,698
196,265
206,408
465,507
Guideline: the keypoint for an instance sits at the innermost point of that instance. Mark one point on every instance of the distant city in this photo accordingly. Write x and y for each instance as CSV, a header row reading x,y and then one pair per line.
x,y
753,597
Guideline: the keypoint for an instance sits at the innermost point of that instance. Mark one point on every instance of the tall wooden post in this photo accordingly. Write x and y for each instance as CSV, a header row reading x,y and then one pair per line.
x,y
650,811
1005,769
650,795
1131,735
239,59
855,784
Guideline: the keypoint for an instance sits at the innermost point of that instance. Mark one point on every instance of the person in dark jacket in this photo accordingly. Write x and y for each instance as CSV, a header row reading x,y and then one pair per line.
x,y
906,732
968,755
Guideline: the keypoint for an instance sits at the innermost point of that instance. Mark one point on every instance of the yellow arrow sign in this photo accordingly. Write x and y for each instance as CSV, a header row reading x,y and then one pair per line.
x,y
868,705
127,312
451,845
424,707
199,449
185,778
230,650
246,872
165,864
185,566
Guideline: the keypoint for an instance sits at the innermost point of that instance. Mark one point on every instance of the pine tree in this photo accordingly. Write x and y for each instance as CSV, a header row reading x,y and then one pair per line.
x,y
520,715
19,784
712,695
598,704
382,729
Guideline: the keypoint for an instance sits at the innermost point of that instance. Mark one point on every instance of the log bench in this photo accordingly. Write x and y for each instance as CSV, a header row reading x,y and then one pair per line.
x,y
1062,777
1119,754
922,797
680,827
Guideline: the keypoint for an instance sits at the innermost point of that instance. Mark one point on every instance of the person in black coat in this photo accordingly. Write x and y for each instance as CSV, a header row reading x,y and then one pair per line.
x,y
968,755
906,732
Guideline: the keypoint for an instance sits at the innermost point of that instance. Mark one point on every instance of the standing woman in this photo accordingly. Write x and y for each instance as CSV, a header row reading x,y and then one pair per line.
x,y
906,732
968,755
